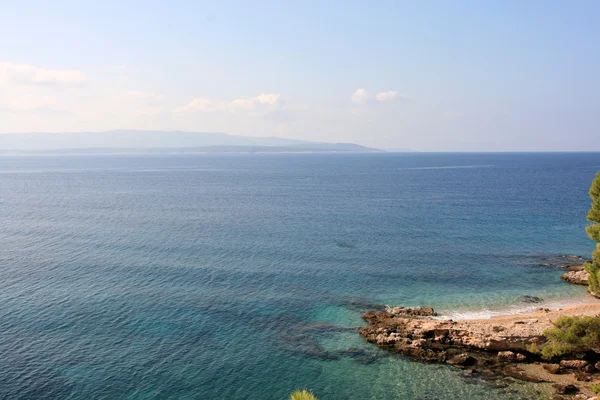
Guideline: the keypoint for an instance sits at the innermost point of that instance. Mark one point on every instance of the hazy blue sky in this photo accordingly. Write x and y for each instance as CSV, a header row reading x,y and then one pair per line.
x,y
425,75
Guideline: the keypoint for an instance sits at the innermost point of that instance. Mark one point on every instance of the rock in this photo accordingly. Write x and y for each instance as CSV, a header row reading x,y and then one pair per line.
x,y
399,331
509,356
566,389
576,277
579,267
527,321
574,364
521,357
521,375
462,343
394,310
531,299
415,312
582,376
506,355
553,368
462,360
589,369
582,396
597,365
544,310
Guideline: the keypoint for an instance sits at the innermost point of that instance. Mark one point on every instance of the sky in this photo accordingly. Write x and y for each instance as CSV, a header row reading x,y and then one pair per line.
x,y
422,75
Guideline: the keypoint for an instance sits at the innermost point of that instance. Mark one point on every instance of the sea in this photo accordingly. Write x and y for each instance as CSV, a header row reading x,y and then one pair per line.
x,y
244,276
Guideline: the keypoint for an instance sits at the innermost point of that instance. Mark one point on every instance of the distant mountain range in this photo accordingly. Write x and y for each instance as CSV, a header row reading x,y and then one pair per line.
x,y
160,142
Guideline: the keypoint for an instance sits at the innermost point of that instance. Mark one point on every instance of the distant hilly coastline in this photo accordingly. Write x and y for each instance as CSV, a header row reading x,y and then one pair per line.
x,y
161,142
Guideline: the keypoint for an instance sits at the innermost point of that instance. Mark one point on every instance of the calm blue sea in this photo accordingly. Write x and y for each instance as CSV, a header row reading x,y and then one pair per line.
x,y
242,276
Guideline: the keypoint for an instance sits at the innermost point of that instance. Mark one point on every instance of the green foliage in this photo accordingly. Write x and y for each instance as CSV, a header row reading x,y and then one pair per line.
x,y
302,395
594,270
572,335
596,388
533,348
594,213
593,232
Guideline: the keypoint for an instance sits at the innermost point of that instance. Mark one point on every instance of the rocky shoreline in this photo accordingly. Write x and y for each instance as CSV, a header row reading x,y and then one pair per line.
x,y
489,347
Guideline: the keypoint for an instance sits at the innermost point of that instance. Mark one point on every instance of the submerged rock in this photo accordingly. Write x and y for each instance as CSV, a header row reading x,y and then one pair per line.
x,y
521,375
531,299
303,337
358,303
566,389
317,328
462,360
560,261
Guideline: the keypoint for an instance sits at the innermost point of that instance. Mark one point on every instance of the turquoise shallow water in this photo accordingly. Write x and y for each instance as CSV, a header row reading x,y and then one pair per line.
x,y
241,276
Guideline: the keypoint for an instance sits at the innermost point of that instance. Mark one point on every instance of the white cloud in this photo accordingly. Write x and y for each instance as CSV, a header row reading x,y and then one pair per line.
x,y
361,96
390,95
262,103
195,105
23,74
26,102
241,104
269,98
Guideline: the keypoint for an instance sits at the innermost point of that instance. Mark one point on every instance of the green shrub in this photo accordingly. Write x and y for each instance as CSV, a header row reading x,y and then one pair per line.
x,y
596,388
533,348
302,395
594,270
572,335
593,232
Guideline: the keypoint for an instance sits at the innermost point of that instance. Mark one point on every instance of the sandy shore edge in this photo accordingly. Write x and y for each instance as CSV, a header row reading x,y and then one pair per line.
x,y
591,308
